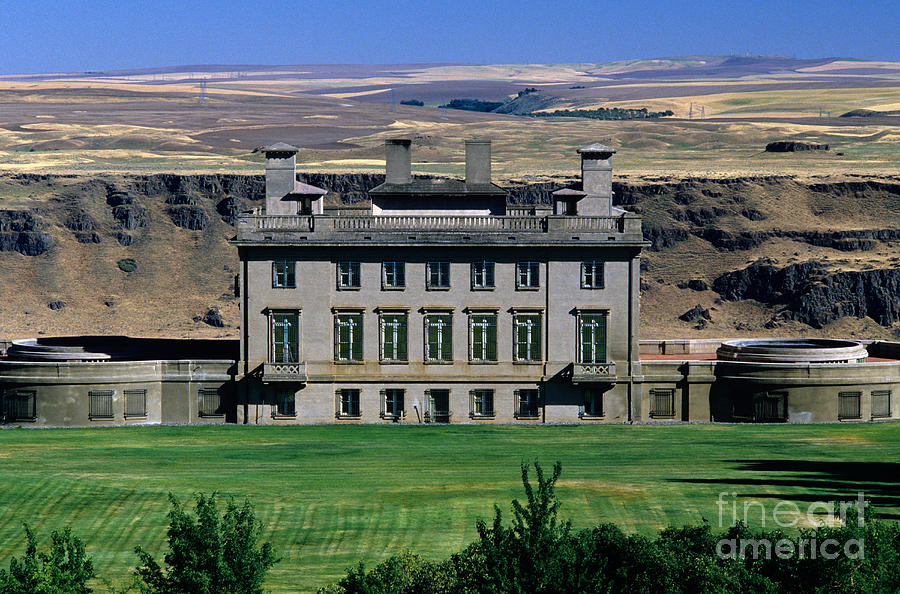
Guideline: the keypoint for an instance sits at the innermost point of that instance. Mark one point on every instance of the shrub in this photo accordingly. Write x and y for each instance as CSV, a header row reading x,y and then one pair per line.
x,y
209,555
63,569
127,264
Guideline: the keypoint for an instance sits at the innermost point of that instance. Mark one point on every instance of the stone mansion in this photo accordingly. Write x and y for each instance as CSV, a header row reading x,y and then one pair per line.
x,y
440,304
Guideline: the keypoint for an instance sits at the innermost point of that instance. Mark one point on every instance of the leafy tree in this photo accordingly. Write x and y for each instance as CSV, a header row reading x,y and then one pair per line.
x,y
64,569
209,554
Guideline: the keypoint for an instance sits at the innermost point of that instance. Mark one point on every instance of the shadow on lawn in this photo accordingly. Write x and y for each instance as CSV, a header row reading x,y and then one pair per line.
x,y
825,481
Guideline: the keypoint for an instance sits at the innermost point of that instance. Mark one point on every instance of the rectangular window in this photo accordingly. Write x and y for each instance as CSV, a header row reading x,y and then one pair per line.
x,y
348,275
391,403
662,403
481,403
348,337
482,275
592,404
592,337
527,333
393,336
285,404
437,275
135,403
881,404
283,276
527,275
393,275
483,334
592,274
348,403
210,403
527,404
285,337
19,406
438,406
438,337
848,405
101,404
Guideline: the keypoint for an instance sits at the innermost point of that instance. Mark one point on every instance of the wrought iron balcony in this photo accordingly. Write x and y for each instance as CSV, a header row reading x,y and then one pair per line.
x,y
284,372
594,372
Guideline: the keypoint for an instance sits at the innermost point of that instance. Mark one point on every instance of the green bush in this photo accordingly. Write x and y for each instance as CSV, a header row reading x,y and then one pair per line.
x,y
209,555
127,264
63,569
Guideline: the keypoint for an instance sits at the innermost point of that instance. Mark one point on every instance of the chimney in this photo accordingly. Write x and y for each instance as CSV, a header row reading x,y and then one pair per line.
x,y
281,172
478,162
397,161
596,180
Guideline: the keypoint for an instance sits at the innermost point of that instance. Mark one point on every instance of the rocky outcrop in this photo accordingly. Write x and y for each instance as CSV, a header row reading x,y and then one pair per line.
x,y
847,241
815,296
23,232
130,216
189,217
695,313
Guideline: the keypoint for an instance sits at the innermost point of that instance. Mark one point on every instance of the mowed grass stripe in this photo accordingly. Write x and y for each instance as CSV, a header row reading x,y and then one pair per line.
x,y
333,496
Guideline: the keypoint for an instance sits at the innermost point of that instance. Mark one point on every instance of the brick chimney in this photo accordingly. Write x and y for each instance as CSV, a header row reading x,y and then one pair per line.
x,y
397,161
596,180
281,172
478,162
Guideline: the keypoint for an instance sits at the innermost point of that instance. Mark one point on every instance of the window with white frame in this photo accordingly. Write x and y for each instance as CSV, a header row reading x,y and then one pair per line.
x,y
348,336
527,403
392,403
348,275
393,274
437,275
591,336
592,274
482,275
285,332
483,336
528,275
283,274
481,403
348,403
527,335
394,326
438,337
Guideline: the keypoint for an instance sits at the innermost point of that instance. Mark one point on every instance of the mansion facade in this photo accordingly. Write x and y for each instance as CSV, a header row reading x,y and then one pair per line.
x,y
440,304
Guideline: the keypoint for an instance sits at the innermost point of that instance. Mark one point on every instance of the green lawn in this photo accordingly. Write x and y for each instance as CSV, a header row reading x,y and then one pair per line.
x,y
331,496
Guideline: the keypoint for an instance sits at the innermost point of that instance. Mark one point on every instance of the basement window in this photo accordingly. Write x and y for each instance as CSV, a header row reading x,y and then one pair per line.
x,y
135,403
101,404
849,405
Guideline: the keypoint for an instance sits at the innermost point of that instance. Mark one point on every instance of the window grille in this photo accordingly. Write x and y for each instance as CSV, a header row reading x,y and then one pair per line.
x,y
135,403
101,404
849,405
348,403
881,404
391,403
210,402
19,406
527,403
662,403
481,403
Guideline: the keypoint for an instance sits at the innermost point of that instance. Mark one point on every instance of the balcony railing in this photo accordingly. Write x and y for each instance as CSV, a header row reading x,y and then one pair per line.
x,y
594,372
284,372
440,223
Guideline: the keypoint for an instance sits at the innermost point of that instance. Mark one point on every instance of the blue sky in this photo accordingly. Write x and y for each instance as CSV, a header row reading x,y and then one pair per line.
x,y
53,36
